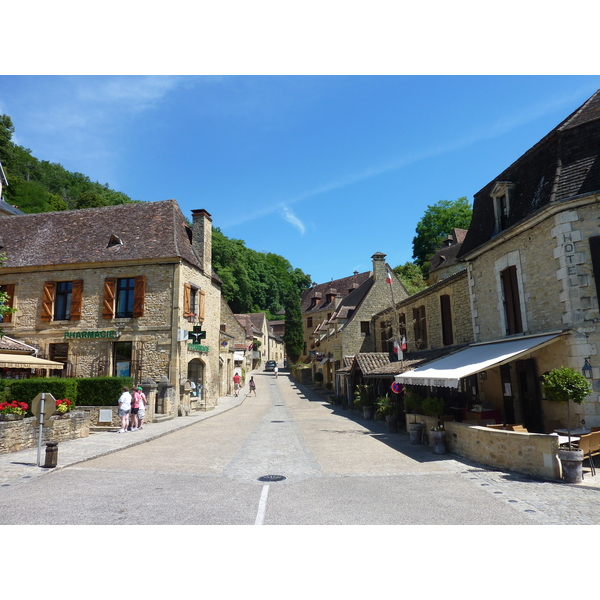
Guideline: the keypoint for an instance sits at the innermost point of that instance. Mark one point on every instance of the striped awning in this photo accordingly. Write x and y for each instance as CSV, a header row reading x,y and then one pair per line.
x,y
27,361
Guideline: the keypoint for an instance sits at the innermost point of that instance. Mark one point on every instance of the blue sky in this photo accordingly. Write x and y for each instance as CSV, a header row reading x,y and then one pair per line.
x,y
323,170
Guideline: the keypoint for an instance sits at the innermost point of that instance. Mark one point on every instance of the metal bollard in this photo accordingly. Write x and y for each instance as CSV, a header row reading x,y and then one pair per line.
x,y
51,455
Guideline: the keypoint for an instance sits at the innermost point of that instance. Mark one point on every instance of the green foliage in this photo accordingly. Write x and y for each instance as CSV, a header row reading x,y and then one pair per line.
x,y
385,406
25,390
253,281
4,310
102,391
411,276
413,401
564,384
37,186
433,407
362,396
437,222
293,337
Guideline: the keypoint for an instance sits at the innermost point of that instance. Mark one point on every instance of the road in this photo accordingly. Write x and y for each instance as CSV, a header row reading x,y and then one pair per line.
x,y
284,457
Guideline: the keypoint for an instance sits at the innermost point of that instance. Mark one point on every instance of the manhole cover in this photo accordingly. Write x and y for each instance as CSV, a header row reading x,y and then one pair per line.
x,y
271,478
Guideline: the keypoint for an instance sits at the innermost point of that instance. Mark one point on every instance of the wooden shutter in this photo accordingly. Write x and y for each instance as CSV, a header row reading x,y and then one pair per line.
x,y
47,300
416,326
595,252
9,290
201,303
446,310
139,295
187,297
512,304
108,307
76,299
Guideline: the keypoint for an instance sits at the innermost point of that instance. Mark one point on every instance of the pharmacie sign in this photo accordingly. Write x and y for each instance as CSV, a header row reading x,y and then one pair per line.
x,y
71,335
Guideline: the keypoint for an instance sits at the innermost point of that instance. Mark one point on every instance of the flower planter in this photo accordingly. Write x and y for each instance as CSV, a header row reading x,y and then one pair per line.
x,y
11,417
368,412
572,468
439,441
415,430
392,423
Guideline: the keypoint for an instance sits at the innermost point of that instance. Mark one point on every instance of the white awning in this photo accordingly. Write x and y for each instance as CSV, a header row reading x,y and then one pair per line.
x,y
26,361
238,355
448,371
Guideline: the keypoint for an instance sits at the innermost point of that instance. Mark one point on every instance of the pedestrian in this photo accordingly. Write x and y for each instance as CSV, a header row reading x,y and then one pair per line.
x,y
124,409
236,384
252,385
142,409
276,371
135,407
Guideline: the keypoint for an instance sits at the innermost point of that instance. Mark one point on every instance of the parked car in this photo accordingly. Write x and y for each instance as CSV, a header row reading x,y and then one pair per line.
x,y
270,365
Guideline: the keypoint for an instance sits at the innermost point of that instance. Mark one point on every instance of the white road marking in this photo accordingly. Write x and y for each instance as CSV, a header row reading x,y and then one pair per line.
x,y
262,506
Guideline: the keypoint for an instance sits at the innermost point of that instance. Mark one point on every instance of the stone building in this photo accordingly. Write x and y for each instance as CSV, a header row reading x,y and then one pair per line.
x,y
533,256
346,328
444,262
117,291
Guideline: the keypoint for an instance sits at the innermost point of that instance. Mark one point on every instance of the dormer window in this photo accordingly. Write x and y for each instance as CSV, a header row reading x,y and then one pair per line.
x,y
501,197
114,240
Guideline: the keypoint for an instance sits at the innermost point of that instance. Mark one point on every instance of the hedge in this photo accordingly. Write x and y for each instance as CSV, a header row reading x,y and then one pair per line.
x,y
92,391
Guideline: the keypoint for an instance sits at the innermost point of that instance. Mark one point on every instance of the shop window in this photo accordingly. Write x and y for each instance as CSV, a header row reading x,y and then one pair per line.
x,y
420,327
446,311
9,290
124,297
62,300
122,356
512,303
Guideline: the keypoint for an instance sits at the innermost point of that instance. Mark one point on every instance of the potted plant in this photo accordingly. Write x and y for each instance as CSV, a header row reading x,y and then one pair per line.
x,y
434,407
563,385
387,409
414,403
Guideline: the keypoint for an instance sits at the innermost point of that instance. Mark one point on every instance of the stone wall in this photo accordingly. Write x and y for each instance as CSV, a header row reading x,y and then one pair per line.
x,y
24,433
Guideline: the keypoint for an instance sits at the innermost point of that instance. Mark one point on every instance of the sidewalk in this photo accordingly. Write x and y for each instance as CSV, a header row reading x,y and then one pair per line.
x,y
17,467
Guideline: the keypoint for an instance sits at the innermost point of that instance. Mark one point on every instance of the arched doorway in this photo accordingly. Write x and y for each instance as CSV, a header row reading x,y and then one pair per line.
x,y
196,375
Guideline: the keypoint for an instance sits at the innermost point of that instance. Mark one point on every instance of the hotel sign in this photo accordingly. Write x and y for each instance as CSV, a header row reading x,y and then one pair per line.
x,y
88,335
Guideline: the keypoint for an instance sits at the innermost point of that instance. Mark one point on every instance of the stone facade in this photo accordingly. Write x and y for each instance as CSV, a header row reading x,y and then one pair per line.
x,y
173,290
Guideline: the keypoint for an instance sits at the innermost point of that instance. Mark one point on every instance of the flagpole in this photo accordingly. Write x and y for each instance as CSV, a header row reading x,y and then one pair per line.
x,y
397,319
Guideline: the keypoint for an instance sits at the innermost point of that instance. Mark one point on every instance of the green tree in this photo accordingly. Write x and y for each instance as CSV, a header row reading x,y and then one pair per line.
x,y
7,148
411,275
4,309
293,338
437,222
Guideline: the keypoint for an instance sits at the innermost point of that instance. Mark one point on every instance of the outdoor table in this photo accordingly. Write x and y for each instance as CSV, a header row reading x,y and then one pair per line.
x,y
579,431
564,439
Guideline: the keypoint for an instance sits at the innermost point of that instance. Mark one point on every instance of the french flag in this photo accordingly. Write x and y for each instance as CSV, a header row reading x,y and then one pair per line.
x,y
388,279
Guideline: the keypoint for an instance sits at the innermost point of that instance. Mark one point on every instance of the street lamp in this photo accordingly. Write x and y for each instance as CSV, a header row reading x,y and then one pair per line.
x,y
586,370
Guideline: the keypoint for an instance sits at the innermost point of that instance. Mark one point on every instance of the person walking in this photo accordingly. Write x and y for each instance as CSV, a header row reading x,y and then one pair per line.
x,y
252,385
236,384
276,371
136,400
142,410
124,409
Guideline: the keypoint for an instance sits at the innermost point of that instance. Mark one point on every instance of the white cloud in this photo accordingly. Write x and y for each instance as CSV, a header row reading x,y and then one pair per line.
x,y
290,217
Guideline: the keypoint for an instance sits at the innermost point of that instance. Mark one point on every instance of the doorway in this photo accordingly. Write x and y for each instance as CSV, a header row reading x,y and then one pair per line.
x,y
196,375
529,392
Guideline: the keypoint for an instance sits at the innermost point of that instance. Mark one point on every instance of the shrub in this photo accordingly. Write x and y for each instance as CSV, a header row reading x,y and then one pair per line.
x,y
25,390
102,391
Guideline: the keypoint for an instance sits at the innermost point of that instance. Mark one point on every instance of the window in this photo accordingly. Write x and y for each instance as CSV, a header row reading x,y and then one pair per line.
x,y
512,304
58,352
365,327
420,327
386,336
501,195
446,311
595,252
9,290
62,300
124,297
309,322
122,353
402,323
193,301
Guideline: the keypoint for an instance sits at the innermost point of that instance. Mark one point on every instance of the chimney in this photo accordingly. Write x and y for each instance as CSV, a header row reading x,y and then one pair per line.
x,y
202,239
379,268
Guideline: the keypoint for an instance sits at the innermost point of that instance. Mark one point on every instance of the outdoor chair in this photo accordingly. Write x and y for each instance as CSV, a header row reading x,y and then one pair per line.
x,y
584,445
595,443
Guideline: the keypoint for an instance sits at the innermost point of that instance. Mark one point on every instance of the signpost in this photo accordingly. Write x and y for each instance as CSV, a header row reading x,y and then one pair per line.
x,y
43,406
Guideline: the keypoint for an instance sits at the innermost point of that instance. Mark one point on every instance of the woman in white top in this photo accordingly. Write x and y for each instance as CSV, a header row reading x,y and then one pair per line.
x,y
124,409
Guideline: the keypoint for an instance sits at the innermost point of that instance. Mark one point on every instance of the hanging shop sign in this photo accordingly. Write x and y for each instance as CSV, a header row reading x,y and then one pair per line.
x,y
88,335
198,348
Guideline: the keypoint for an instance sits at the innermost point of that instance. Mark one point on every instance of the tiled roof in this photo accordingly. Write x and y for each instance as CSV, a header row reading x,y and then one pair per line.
x,y
10,345
148,230
367,361
446,256
338,286
412,360
564,164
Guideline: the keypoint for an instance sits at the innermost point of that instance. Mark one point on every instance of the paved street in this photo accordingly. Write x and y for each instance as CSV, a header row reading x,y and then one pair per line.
x,y
284,457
